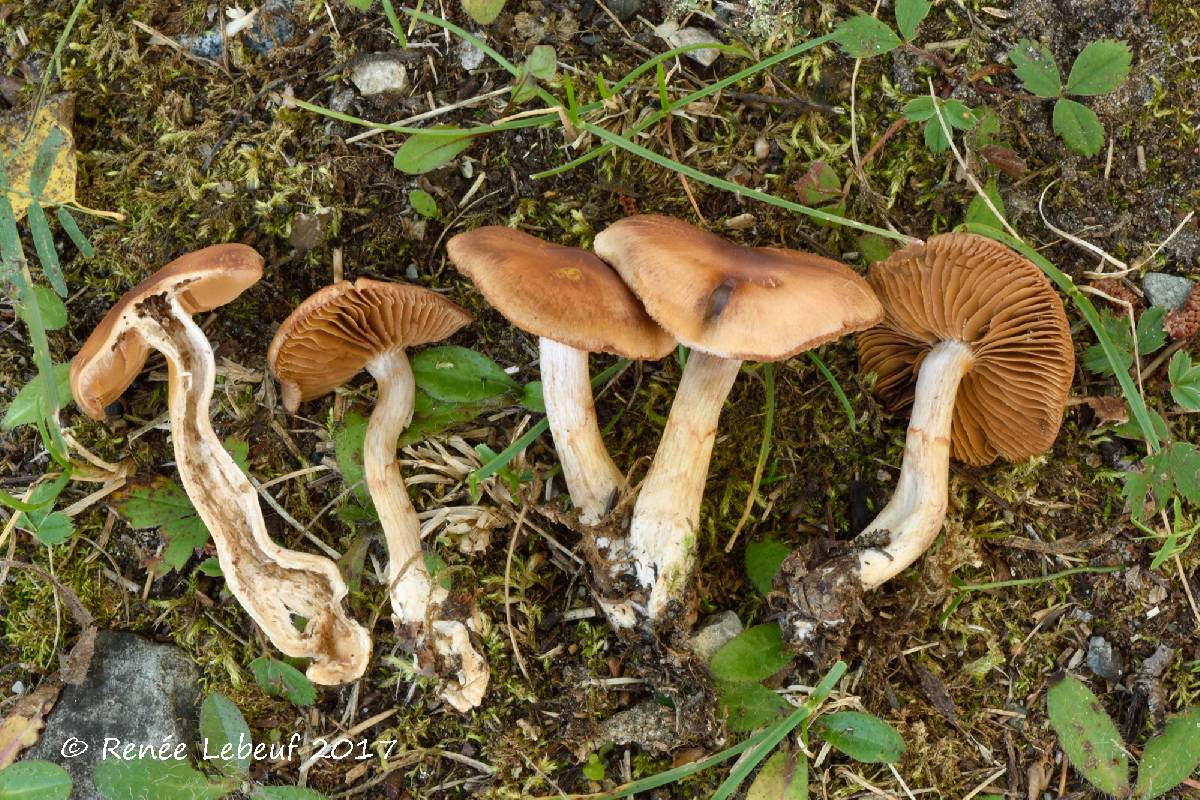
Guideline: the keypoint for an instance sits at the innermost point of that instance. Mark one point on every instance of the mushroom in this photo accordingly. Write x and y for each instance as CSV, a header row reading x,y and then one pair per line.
x,y
296,598
326,341
976,341
728,303
575,304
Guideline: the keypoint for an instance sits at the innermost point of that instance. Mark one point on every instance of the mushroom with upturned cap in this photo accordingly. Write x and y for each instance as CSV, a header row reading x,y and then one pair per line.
x,y
275,585
728,303
326,341
977,343
575,304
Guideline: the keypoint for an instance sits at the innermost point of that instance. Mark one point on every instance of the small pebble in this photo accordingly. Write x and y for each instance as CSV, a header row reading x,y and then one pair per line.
x,y
1103,660
469,56
379,73
1168,291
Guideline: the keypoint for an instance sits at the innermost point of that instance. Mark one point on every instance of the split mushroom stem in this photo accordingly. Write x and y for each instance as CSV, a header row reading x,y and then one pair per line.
x,y
408,579
592,478
275,585
662,535
914,515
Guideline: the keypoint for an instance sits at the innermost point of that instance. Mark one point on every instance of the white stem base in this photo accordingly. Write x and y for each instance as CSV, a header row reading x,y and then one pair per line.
x,y
275,585
592,478
662,534
416,599
913,517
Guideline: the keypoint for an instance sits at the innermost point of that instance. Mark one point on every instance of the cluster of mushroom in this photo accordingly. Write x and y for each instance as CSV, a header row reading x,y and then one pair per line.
x,y
961,328
295,597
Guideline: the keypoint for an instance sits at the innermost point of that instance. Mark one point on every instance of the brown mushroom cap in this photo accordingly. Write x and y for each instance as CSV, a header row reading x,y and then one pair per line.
x,y
967,287
335,332
559,293
753,303
114,354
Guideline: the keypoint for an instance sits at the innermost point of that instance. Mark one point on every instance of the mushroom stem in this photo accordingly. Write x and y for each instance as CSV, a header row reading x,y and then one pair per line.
x,y
275,585
913,517
662,535
592,478
417,602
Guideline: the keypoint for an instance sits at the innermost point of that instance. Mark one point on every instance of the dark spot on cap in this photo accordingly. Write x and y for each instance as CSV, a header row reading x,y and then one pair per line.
x,y
718,299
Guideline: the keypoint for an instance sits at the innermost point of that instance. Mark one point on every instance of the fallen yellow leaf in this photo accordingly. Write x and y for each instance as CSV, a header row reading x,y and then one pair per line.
x,y
57,112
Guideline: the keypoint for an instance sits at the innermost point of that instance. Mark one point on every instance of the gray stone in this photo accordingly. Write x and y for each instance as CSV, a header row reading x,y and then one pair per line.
x,y
1103,660
1168,291
715,632
469,56
379,73
624,9
135,691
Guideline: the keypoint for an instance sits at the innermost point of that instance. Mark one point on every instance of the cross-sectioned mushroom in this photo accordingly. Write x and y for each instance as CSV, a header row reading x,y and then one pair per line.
x,y
728,303
277,587
575,304
976,342
332,336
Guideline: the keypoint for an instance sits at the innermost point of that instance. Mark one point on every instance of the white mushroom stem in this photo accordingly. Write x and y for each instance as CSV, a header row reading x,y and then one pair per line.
x,y
276,586
416,599
592,478
662,534
913,517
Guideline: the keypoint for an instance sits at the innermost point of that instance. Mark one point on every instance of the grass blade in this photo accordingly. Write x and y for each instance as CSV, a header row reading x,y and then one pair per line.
x,y
837,389
71,227
43,244
729,186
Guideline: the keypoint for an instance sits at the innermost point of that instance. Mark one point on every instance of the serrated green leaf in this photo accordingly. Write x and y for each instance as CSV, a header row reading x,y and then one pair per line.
x,y
959,115
863,737
1131,429
1088,736
783,777
423,203
1170,757
935,137
1034,65
750,706
753,655
910,14
422,153
593,768
863,36
1117,328
170,779
71,227
29,403
1175,468
51,307
281,679
918,109
1078,126
34,780
164,505
56,528
978,211
762,562
1100,68
43,245
1185,381
224,733
457,375
286,793
1150,333
483,11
